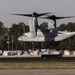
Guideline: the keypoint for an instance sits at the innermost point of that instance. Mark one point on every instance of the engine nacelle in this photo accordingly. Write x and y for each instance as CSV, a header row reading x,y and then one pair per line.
x,y
51,25
32,23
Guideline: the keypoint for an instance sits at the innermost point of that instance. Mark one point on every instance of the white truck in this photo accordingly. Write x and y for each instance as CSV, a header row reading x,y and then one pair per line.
x,y
55,54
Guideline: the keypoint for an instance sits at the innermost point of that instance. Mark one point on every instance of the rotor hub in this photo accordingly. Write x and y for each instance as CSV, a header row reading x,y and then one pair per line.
x,y
34,14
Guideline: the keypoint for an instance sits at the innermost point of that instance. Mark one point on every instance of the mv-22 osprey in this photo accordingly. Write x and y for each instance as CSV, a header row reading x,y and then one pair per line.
x,y
40,33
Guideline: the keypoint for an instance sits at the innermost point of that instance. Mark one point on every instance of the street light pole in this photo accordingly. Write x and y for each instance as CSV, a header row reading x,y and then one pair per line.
x,y
12,42
24,33
8,42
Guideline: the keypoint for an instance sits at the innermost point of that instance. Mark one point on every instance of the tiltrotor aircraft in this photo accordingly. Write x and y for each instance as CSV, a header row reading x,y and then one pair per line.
x,y
40,33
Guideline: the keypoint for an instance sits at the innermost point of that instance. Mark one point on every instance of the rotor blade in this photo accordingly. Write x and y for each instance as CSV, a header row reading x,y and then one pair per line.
x,y
65,17
54,17
29,15
43,14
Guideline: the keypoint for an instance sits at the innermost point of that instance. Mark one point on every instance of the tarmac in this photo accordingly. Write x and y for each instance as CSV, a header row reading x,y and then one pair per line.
x,y
38,72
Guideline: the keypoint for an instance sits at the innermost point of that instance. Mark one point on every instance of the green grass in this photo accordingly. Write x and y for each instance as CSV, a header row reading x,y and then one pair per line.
x,y
36,65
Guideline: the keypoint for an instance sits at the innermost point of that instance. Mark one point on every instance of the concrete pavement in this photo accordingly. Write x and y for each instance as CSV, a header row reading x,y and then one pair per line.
x,y
38,72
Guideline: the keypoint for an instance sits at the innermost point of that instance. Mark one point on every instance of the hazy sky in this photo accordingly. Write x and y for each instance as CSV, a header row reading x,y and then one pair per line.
x,y
59,7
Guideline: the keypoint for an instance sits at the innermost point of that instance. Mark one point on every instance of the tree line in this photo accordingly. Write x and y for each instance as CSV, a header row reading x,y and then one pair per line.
x,y
10,35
